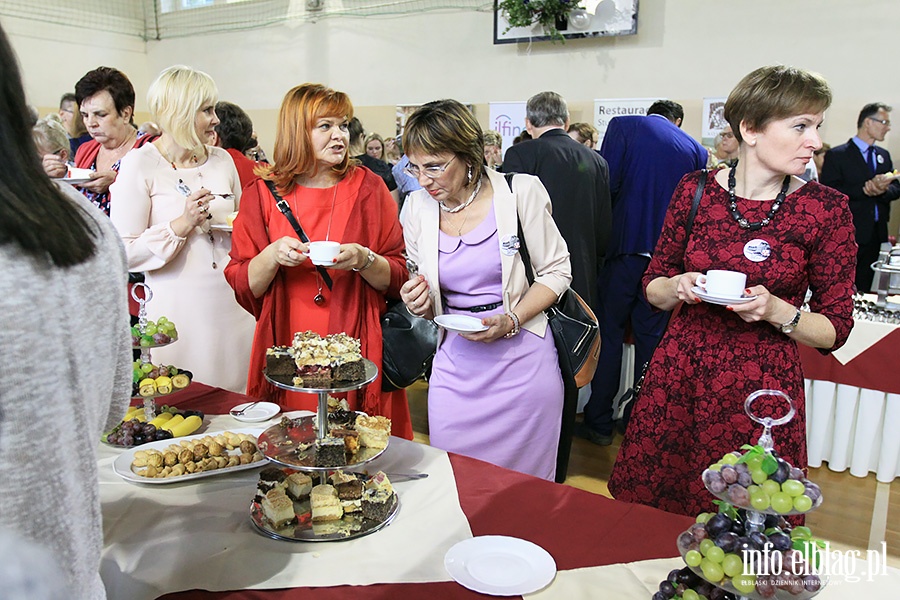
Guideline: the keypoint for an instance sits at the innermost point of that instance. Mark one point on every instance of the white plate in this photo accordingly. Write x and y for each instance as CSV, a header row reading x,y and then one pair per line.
x,y
460,323
500,566
75,175
263,411
723,300
221,227
122,464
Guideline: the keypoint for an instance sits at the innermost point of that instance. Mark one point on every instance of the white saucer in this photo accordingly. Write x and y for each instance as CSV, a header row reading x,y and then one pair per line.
x,y
322,263
500,566
460,323
723,300
261,412
221,227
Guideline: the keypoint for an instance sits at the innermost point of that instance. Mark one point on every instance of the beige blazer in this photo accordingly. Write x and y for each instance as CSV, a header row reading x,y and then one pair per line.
x,y
548,250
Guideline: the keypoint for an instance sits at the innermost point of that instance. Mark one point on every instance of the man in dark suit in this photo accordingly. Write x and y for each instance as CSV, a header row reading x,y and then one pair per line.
x,y
647,157
860,169
577,180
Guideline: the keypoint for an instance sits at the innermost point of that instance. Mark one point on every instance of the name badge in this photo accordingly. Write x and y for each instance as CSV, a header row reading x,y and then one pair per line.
x,y
879,158
757,250
509,245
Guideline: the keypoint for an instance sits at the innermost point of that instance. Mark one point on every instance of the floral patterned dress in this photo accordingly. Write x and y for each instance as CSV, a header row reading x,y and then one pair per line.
x,y
690,410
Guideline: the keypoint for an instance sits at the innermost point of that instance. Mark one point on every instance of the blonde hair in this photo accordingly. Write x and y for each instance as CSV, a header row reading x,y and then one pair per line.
x,y
373,137
175,97
50,136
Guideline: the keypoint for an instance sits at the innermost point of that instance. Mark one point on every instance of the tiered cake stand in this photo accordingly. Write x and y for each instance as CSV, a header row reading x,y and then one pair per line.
x,y
294,447
754,521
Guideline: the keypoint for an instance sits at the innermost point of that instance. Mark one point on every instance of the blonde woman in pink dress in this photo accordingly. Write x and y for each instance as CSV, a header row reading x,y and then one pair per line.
x,y
175,195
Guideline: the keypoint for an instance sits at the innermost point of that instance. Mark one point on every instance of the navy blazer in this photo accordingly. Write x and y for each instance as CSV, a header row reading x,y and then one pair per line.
x,y
845,169
647,157
577,180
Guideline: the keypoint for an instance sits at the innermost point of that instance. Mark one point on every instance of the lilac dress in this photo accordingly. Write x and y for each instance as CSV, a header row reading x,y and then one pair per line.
x,y
500,402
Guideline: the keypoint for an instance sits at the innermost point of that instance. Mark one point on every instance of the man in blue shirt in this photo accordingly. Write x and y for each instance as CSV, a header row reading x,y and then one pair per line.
x,y
862,171
647,157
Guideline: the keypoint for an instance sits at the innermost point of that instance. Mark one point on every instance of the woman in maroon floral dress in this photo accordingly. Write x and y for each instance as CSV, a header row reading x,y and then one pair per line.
x,y
761,219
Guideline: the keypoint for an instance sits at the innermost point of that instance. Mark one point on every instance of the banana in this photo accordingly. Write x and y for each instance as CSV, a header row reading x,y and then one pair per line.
x,y
173,422
187,427
160,419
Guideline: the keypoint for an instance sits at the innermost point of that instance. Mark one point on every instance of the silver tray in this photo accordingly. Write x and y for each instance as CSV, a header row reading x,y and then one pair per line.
x,y
350,527
279,444
287,382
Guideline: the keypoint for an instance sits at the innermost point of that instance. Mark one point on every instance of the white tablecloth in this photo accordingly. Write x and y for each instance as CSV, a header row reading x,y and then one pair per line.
x,y
198,535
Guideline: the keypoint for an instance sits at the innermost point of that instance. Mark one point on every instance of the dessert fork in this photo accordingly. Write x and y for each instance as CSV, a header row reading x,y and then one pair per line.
x,y
237,413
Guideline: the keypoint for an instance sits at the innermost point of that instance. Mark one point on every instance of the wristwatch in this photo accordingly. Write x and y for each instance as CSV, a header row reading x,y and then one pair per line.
x,y
369,260
790,325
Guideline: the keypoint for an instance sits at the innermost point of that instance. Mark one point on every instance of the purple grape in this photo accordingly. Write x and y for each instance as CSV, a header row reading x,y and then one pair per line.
x,y
699,531
149,429
812,583
782,473
727,541
673,574
729,474
161,338
717,525
687,577
685,540
759,539
714,482
738,495
667,589
812,490
660,596
163,434
718,594
780,541
127,439
744,544
704,588
796,473
765,587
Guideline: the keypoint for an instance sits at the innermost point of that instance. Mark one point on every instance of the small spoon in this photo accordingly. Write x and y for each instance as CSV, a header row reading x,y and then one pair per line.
x,y
237,413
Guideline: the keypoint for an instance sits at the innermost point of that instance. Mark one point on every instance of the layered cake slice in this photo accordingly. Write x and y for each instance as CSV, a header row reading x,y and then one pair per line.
x,y
299,485
325,504
278,509
349,490
280,362
330,452
373,431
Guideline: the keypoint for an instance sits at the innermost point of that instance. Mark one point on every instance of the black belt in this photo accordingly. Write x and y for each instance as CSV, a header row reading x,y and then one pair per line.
x,y
478,309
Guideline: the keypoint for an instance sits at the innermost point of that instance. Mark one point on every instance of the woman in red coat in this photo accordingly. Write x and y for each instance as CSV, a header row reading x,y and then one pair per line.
x,y
336,200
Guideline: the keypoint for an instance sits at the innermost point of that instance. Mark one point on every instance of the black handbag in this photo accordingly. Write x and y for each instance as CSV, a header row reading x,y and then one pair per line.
x,y
408,342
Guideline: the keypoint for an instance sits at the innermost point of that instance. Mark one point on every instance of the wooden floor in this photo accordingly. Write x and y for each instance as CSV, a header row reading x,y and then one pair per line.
x,y
857,512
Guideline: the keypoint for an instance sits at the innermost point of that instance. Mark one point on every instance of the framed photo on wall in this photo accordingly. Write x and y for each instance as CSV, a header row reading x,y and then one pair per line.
x,y
598,18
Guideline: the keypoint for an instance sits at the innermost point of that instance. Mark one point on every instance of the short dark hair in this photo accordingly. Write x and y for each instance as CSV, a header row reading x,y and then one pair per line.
x,y
870,110
235,128
667,108
355,129
775,92
113,81
446,126
546,108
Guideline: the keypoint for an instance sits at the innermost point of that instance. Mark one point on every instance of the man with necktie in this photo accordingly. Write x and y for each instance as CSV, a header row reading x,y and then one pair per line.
x,y
863,171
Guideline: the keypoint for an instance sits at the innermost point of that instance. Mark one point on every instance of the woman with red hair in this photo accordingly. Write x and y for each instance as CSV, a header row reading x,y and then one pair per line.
x,y
334,199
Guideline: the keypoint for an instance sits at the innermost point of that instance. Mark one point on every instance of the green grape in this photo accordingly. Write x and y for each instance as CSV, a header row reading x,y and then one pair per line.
x,y
146,367
705,545
754,462
715,467
745,584
690,594
693,558
146,341
704,517
730,459
712,571
758,476
760,500
782,503
803,503
166,327
793,488
715,554
770,486
162,320
753,488
150,329
732,565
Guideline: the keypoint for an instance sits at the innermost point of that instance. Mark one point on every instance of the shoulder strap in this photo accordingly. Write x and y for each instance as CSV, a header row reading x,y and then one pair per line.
x,y
285,209
523,248
701,185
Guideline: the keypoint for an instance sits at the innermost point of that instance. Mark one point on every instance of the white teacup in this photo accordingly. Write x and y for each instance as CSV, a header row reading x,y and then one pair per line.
x,y
323,253
724,284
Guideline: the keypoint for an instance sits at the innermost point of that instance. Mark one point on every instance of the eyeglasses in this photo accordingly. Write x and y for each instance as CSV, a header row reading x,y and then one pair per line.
x,y
726,135
430,172
882,121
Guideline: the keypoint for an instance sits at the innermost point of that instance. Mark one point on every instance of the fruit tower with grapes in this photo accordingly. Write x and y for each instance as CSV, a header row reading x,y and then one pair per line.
x,y
748,549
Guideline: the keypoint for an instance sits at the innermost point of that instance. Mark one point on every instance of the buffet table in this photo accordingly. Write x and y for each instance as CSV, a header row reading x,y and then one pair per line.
x,y
194,540
164,539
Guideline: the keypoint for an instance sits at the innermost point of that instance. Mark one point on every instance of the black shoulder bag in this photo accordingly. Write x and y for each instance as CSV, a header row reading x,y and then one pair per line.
x,y
408,342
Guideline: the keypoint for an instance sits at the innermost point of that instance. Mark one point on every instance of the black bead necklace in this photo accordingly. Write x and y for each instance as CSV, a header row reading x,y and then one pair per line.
x,y
741,219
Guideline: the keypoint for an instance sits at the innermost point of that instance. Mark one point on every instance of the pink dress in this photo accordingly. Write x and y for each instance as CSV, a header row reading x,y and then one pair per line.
x,y
500,402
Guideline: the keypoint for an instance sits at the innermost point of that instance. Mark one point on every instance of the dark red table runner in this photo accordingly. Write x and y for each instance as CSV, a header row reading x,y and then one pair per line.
x,y
874,369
